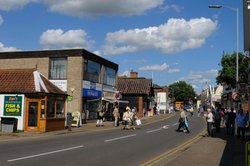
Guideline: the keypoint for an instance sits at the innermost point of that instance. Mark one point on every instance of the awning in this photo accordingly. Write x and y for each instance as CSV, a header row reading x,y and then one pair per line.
x,y
114,100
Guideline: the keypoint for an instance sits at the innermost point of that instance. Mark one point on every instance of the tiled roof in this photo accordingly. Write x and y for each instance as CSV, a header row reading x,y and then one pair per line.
x,y
25,81
134,85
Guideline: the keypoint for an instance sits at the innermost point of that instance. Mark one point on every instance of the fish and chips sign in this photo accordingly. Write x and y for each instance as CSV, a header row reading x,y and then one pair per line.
x,y
12,105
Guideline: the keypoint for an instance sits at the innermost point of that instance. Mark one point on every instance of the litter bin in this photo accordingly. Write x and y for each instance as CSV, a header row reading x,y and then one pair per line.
x,y
8,124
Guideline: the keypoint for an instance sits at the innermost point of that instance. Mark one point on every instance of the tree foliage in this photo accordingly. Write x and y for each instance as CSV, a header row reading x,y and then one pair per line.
x,y
227,74
181,91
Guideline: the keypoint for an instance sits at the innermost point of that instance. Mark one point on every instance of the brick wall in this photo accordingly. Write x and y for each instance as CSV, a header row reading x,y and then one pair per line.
x,y
75,78
42,64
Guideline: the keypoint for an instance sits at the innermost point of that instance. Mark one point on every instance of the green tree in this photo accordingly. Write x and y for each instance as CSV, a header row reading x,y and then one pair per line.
x,y
181,91
227,74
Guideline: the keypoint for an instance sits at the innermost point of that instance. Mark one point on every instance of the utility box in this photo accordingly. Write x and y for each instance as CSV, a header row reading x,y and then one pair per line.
x,y
8,124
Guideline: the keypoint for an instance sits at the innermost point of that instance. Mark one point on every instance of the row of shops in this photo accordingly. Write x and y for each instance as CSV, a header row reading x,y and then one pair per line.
x,y
40,88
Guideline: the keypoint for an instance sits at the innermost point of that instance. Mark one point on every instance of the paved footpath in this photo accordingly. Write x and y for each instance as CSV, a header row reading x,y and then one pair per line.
x,y
220,150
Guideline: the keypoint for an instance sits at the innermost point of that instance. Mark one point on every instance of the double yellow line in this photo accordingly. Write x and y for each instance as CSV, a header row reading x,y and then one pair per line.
x,y
157,160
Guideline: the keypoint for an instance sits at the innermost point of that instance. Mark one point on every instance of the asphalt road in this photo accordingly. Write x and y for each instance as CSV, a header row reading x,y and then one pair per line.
x,y
114,147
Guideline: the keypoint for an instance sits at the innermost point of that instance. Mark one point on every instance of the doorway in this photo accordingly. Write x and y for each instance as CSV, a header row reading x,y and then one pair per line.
x,y
32,115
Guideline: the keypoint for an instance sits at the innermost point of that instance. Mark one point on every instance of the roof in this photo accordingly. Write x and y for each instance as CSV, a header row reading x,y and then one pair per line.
x,y
134,85
25,81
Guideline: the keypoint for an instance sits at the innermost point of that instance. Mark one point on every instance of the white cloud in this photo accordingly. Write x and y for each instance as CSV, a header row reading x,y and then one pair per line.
x,y
174,36
173,70
125,73
8,5
101,7
6,49
162,67
175,7
200,79
57,38
98,52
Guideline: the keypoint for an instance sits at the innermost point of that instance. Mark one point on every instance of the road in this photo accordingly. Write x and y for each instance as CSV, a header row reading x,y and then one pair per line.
x,y
113,147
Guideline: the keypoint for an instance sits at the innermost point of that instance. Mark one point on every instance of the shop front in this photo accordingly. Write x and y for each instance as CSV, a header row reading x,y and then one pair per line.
x,y
35,102
45,112
92,94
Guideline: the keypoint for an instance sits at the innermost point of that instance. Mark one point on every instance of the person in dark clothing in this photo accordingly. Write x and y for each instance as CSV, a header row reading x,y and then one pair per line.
x,y
217,120
231,121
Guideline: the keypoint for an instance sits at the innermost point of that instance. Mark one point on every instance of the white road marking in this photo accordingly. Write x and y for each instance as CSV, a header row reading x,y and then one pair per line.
x,y
153,130
47,153
114,139
175,124
165,127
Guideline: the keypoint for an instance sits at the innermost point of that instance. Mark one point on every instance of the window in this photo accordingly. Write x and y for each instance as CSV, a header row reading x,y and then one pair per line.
x,y
109,76
59,109
51,108
92,71
55,107
58,68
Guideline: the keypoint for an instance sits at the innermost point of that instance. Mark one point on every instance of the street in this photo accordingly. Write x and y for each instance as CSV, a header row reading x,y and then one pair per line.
x,y
112,147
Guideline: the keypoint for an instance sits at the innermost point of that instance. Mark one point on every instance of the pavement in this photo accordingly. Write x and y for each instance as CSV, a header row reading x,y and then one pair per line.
x,y
220,150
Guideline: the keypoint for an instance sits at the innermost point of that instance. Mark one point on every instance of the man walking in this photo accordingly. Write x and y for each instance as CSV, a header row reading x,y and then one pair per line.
x,y
209,118
183,121
116,115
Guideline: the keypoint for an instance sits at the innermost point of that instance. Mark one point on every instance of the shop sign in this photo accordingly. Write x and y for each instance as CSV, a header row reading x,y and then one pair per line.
x,y
12,105
62,84
91,89
70,98
92,93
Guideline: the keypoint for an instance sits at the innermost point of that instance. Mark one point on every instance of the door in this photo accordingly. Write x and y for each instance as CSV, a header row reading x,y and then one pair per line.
x,y
32,115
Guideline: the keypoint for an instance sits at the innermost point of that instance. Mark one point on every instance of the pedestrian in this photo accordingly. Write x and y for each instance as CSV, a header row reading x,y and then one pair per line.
x,y
226,121
231,121
201,111
217,119
241,119
132,115
100,115
116,115
209,119
126,119
183,121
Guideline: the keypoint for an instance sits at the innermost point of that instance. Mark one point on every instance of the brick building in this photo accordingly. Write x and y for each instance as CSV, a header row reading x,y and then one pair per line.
x,y
138,91
86,77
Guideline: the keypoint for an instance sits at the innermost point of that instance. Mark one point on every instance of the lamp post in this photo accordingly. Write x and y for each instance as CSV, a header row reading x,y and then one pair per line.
x,y
237,52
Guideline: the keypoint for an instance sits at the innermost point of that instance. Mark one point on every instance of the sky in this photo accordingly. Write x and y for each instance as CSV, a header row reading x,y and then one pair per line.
x,y
166,40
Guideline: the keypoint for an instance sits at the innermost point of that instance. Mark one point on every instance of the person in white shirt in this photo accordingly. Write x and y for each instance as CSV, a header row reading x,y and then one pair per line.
x,y
209,119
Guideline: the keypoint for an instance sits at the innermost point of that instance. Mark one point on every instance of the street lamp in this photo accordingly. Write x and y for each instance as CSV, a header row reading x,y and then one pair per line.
x,y
237,52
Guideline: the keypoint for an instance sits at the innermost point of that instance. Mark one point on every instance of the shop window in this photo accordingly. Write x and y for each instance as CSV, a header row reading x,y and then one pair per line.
x,y
109,76
58,69
55,108
92,71
59,109
51,108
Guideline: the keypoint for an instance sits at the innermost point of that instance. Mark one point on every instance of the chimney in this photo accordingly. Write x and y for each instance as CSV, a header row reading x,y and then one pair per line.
x,y
133,74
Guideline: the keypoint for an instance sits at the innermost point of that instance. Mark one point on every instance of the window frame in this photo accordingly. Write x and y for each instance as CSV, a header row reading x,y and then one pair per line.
x,y
52,60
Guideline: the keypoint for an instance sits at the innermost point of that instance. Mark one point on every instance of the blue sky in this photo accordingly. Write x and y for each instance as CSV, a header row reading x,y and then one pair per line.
x,y
166,40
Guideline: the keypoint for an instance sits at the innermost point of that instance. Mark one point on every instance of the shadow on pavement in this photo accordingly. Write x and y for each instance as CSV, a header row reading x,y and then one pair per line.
x,y
234,151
